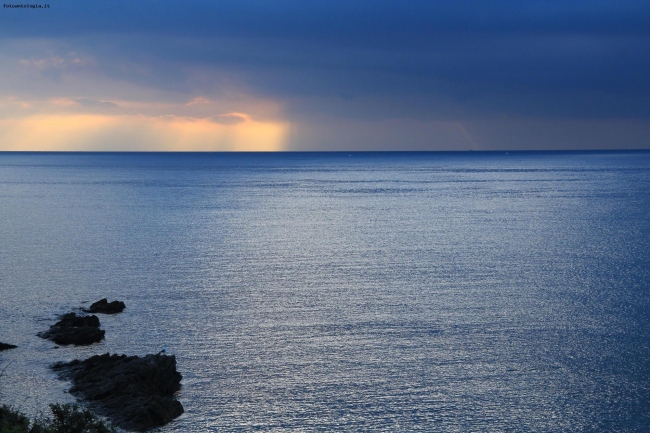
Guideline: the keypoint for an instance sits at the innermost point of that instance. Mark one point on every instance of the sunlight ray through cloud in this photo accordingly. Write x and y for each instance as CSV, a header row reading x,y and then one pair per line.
x,y
97,132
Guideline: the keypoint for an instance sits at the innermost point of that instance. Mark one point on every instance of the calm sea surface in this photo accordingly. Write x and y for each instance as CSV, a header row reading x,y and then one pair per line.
x,y
343,292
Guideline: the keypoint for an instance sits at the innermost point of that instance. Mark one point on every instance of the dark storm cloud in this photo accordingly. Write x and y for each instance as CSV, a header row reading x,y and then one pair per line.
x,y
360,21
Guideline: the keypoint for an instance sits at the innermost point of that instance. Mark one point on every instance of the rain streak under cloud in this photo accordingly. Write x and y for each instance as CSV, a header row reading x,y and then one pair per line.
x,y
325,75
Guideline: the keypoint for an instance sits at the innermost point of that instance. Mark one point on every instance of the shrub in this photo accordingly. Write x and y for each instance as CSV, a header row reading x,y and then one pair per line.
x,y
67,418
12,421
70,419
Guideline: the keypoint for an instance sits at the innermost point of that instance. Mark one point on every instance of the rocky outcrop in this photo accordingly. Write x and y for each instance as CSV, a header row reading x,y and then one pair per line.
x,y
5,346
105,307
135,393
73,329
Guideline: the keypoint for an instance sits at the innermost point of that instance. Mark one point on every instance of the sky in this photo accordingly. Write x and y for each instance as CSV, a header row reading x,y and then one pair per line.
x,y
302,75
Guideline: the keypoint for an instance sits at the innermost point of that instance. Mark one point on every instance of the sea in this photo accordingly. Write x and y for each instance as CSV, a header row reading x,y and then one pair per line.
x,y
351,292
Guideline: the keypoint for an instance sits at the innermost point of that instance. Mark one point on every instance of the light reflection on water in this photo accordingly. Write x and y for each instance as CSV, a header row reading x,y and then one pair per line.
x,y
319,292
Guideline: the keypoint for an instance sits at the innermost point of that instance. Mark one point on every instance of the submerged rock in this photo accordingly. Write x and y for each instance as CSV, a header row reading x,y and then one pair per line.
x,y
105,307
73,329
5,346
134,393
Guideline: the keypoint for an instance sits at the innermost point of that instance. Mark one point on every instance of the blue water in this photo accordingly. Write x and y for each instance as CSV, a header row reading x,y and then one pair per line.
x,y
343,292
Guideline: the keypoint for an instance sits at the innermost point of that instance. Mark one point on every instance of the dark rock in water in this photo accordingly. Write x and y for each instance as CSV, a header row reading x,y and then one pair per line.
x,y
73,329
134,393
5,346
105,307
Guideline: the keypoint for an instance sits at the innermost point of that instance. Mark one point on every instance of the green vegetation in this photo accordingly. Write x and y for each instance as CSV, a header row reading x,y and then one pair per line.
x,y
66,418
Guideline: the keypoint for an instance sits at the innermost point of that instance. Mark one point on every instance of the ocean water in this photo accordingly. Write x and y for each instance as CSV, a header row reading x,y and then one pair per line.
x,y
307,292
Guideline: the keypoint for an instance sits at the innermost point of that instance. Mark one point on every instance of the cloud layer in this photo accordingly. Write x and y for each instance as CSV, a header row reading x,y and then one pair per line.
x,y
333,74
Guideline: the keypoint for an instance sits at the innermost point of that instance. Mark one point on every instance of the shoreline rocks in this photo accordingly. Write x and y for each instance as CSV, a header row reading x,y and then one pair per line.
x,y
6,346
73,329
135,393
105,307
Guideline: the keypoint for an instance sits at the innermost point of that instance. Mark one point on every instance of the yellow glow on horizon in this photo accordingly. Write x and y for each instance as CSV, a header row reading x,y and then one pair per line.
x,y
95,132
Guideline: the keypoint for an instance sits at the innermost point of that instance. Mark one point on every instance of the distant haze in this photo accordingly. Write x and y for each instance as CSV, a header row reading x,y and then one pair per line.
x,y
259,75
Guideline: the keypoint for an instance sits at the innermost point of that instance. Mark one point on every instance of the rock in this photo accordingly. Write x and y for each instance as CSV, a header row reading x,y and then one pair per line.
x,y
5,346
105,307
73,329
135,393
